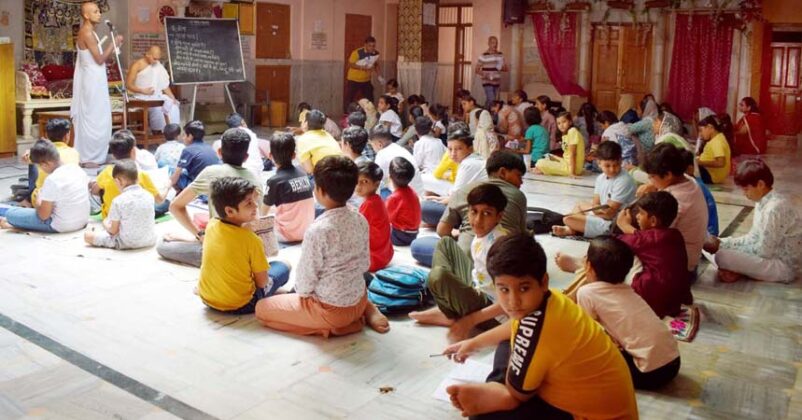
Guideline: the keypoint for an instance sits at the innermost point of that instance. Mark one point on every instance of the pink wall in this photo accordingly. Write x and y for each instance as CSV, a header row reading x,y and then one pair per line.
x,y
328,16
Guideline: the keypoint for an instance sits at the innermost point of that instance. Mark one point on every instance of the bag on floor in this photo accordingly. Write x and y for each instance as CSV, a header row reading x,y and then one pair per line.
x,y
400,289
540,220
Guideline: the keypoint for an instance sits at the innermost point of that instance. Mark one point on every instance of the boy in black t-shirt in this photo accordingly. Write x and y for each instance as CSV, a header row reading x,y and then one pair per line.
x,y
290,190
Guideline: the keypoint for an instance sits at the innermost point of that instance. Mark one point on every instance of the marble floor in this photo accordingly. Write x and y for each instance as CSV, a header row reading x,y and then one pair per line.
x,y
89,333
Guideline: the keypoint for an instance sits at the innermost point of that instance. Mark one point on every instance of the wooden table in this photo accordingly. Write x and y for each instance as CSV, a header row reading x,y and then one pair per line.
x,y
137,114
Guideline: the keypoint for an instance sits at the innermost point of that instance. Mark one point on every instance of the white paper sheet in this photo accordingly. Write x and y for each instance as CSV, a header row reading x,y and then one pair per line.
x,y
469,372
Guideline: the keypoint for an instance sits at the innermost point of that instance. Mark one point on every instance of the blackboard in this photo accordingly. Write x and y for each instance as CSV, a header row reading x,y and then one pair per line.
x,y
204,50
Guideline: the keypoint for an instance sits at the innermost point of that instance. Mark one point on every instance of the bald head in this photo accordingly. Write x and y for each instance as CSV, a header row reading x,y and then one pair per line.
x,y
90,12
154,54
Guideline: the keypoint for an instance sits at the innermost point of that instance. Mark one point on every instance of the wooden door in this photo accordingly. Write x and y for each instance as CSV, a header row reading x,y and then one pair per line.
x,y
357,28
272,30
8,111
785,108
273,81
622,57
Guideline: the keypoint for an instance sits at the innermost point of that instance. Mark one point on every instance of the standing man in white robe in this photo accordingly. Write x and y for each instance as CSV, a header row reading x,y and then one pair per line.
x,y
91,106
148,79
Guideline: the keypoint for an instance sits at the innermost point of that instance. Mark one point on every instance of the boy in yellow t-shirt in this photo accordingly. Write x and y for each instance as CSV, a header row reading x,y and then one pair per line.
x,y
56,130
552,360
121,147
234,270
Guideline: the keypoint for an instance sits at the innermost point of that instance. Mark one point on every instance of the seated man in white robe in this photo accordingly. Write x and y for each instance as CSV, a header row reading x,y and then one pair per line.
x,y
148,79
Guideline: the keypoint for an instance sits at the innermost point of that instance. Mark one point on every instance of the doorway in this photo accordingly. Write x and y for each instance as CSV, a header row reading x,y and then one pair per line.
x,y
622,61
785,95
357,28
454,57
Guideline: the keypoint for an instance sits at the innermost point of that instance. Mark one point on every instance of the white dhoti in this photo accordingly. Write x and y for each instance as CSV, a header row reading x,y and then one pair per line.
x,y
91,109
155,76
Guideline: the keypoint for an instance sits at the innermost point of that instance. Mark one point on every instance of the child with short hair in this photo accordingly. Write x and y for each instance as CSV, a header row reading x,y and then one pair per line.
x,y
234,273
353,143
649,348
614,188
130,223
195,157
428,150
663,281
122,146
382,142
315,143
63,201
770,251
563,364
572,163
57,129
459,283
372,208
330,296
290,190
169,153
403,205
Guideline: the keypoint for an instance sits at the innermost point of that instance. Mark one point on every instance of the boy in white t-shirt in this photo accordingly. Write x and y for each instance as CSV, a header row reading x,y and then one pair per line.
x,y
649,348
169,152
63,201
253,162
382,142
428,150
130,224
460,284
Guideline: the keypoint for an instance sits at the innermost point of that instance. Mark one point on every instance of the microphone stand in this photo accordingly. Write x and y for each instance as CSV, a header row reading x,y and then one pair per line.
x,y
123,89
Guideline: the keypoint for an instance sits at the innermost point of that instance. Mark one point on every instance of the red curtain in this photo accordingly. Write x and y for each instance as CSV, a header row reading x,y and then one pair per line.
x,y
700,65
556,41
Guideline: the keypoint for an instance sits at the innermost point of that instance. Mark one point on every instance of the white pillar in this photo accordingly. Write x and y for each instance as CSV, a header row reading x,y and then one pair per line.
x,y
516,61
584,50
658,57
745,80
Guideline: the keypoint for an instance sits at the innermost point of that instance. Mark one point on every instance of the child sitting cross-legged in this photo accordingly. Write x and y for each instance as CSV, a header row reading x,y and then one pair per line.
x,y
573,144
130,223
122,146
62,204
289,190
330,296
169,152
372,208
614,188
460,284
234,272
649,348
563,364
403,205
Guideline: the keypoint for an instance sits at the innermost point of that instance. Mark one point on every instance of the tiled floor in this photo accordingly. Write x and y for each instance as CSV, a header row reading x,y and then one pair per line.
x,y
135,314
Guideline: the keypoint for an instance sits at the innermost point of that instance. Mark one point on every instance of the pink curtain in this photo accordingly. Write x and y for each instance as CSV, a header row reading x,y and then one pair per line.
x,y
556,41
700,65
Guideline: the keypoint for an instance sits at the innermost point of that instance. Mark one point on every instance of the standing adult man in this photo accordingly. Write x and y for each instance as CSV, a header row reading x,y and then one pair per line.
x,y
91,106
489,67
148,79
362,63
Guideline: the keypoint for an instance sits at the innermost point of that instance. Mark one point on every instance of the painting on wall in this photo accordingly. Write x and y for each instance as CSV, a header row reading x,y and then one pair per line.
x,y
51,28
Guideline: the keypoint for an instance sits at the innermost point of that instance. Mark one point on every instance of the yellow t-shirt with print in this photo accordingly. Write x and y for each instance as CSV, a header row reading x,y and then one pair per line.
x,y
356,75
231,254
110,191
715,148
315,145
67,154
561,354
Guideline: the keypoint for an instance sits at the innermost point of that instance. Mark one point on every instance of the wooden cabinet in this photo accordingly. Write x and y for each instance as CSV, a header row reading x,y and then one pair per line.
x,y
8,111
622,58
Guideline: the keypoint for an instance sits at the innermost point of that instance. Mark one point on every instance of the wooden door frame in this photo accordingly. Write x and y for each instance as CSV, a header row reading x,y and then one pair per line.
x,y
459,34
619,65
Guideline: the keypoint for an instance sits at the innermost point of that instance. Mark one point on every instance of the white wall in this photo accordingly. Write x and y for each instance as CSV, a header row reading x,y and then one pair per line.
x,y
15,27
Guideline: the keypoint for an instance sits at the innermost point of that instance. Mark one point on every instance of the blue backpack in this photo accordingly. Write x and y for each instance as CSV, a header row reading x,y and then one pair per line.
x,y
400,289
